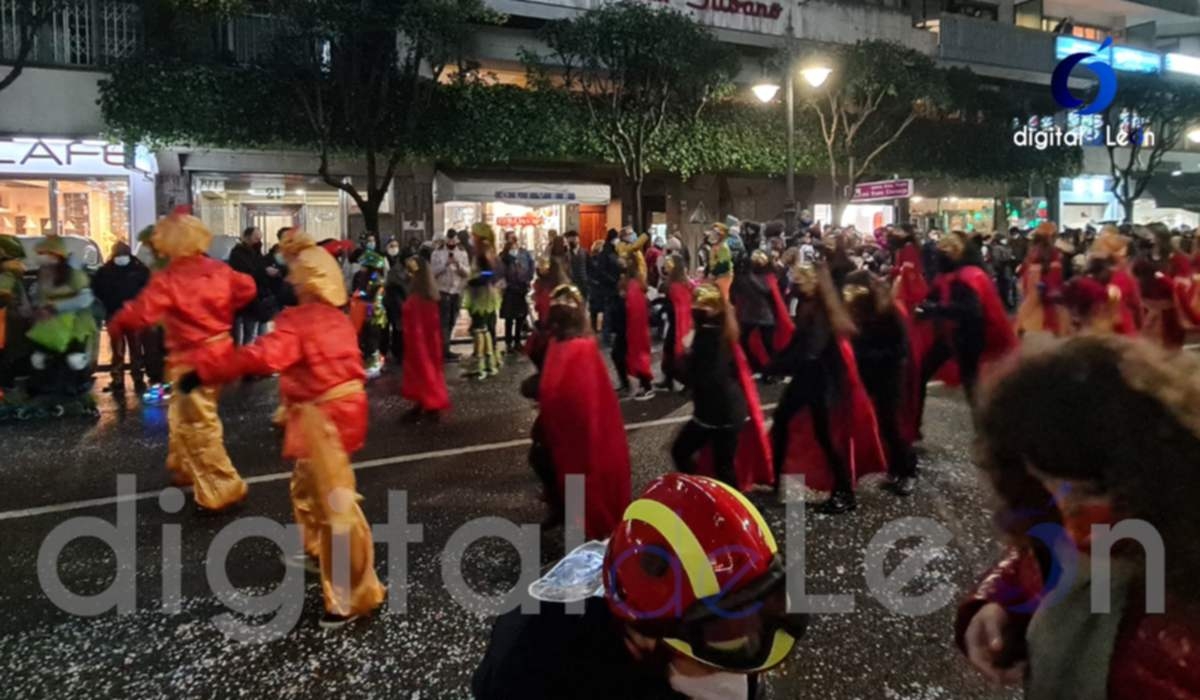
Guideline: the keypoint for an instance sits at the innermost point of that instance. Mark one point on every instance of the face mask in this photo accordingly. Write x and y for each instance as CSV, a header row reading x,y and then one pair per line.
x,y
370,246
121,260
279,258
393,251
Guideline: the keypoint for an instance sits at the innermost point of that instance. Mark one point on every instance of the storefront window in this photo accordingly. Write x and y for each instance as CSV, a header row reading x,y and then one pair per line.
x,y
532,224
968,214
25,207
94,208
228,204
863,217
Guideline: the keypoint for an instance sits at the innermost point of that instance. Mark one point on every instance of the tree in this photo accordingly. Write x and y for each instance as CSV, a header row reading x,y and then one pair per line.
x,y
363,74
877,90
29,18
1146,120
635,68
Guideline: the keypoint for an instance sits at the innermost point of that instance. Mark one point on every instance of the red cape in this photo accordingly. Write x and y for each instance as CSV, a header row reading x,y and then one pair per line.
x,y
752,464
680,297
1051,278
1131,294
785,327
1000,338
584,430
855,434
422,379
909,287
541,302
637,332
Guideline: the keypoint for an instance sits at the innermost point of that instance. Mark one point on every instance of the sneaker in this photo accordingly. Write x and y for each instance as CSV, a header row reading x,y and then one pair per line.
x,y
903,486
644,395
329,621
838,504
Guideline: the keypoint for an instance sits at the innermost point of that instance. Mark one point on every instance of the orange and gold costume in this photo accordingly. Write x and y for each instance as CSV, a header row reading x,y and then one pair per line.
x,y
314,348
195,298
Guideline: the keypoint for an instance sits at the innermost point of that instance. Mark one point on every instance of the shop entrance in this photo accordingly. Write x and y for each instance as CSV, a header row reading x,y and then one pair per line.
x,y
592,218
269,219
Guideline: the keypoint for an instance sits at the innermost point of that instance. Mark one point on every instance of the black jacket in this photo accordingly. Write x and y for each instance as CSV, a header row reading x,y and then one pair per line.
x,y
114,285
712,376
577,264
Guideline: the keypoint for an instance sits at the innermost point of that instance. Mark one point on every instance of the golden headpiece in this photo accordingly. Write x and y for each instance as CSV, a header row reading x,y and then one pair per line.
x,y
293,241
760,258
851,293
952,245
180,235
413,264
1110,245
804,276
566,295
315,273
543,266
1046,229
708,298
484,232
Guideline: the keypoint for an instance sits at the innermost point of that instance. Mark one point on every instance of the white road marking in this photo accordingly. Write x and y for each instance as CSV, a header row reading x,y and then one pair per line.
x,y
357,466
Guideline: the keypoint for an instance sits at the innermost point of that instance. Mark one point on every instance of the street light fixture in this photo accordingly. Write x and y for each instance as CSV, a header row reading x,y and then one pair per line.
x,y
1194,134
765,92
816,76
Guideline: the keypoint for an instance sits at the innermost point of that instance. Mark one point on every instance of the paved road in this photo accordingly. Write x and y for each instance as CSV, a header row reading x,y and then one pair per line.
x,y
470,466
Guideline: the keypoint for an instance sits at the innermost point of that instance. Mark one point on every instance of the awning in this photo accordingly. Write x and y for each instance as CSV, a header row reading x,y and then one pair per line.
x,y
530,194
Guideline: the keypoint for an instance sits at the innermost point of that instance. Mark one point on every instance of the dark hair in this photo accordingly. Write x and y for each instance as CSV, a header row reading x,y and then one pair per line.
x,y
248,231
1138,408
280,232
612,235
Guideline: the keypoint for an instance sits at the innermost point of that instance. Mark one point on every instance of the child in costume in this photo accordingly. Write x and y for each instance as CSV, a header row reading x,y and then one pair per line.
x,y
483,303
368,309
579,429
64,335
631,344
195,297
422,380
727,426
315,351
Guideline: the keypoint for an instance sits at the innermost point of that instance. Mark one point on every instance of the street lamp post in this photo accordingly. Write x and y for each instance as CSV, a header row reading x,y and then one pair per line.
x,y
815,75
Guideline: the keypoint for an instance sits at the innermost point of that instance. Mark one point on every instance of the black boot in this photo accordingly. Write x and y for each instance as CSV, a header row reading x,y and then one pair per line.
x,y
837,504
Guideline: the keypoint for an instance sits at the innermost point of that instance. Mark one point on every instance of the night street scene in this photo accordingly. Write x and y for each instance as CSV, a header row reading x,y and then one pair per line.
x,y
595,349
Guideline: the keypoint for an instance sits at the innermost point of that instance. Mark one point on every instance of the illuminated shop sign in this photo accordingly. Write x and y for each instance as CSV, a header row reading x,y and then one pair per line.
x,y
1122,58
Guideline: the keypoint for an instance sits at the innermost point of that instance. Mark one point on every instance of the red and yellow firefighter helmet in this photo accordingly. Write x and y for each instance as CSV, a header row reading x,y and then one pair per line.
x,y
694,563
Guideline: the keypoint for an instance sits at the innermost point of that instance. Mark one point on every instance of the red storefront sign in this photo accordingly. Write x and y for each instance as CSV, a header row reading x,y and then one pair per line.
x,y
519,221
882,190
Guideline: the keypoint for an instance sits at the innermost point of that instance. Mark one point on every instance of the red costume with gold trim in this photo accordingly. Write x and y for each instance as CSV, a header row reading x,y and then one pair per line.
x,y
1042,287
637,331
195,298
314,348
584,431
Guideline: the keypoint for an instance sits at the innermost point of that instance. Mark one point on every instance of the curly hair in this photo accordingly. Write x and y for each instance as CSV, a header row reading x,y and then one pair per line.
x,y
1119,413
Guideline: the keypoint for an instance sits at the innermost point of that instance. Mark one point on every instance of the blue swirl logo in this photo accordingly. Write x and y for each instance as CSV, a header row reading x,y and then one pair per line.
x,y
1103,72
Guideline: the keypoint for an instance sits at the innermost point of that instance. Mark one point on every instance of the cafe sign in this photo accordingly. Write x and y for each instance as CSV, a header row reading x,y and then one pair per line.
x,y
56,156
882,191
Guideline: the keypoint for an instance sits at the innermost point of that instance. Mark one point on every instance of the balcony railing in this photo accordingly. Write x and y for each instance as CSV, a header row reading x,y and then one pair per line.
x,y
981,41
80,33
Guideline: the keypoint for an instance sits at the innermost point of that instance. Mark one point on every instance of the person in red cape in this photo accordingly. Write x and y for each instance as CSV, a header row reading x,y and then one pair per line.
x,y
1162,297
1110,245
679,320
971,325
423,378
314,348
908,274
1096,303
550,275
1031,620
727,423
824,424
1041,309
883,351
631,344
759,301
579,428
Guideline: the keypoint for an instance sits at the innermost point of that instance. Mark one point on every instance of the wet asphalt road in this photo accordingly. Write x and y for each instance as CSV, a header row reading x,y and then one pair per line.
x,y
431,651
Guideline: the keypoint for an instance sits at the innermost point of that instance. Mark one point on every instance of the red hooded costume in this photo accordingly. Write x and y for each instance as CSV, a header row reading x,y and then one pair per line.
x,y
752,464
1042,288
637,331
423,379
584,431
855,434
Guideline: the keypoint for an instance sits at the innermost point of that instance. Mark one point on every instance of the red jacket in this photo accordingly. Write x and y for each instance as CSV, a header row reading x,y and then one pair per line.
x,y
1156,657
314,349
195,298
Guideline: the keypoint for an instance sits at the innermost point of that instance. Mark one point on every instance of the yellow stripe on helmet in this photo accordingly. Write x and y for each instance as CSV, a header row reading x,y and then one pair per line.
x,y
676,532
781,646
768,536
